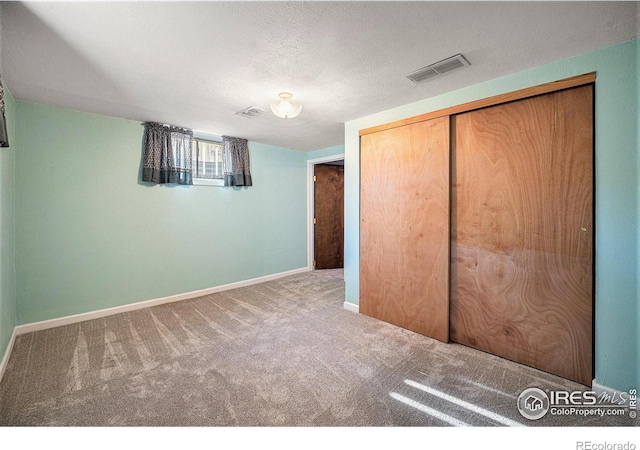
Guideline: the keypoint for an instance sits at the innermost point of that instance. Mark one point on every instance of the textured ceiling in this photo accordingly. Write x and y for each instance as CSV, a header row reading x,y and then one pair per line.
x,y
197,64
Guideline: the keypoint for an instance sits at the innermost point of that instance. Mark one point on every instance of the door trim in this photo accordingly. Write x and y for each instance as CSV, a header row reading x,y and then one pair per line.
x,y
311,202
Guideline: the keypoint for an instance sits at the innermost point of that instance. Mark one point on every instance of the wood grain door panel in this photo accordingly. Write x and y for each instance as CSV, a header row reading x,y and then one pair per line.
x,y
404,229
522,231
329,215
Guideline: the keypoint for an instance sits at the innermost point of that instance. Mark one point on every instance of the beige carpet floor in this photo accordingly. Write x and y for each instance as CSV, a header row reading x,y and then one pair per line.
x,y
281,353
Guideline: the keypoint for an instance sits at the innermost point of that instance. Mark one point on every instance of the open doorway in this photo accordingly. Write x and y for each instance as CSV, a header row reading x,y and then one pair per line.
x,y
326,212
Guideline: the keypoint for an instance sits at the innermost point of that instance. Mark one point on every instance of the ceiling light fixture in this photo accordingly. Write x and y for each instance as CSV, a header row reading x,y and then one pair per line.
x,y
285,106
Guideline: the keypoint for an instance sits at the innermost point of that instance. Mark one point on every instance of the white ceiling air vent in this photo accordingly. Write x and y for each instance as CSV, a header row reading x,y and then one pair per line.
x,y
446,65
250,112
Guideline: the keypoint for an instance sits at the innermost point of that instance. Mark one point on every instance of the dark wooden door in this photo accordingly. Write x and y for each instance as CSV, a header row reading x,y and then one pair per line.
x,y
329,216
522,231
404,227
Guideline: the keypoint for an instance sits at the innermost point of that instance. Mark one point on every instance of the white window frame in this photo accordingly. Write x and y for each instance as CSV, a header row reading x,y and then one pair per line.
x,y
206,181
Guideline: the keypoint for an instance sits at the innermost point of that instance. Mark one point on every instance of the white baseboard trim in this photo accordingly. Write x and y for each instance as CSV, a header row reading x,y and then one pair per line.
x,y
52,323
7,353
599,389
351,307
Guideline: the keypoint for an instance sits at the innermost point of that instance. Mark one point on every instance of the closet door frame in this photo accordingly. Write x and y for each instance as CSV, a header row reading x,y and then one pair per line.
x,y
576,81
546,88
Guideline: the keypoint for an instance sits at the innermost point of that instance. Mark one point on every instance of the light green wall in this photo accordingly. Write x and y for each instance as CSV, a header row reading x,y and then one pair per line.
x,y
616,259
90,235
330,151
7,228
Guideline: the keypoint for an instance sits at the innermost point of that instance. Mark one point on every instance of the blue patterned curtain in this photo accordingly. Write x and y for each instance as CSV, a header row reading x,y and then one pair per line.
x,y
237,170
167,154
4,137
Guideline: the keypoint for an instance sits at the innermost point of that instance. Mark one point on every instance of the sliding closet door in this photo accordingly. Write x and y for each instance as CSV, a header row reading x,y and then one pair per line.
x,y
522,231
404,228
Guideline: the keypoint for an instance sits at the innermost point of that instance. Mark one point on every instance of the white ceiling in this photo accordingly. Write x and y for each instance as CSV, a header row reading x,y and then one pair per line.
x,y
196,64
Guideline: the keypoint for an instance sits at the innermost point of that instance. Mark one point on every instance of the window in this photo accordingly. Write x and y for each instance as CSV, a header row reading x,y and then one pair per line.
x,y
208,163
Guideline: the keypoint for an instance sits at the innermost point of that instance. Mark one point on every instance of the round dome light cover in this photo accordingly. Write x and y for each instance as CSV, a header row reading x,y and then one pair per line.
x,y
286,106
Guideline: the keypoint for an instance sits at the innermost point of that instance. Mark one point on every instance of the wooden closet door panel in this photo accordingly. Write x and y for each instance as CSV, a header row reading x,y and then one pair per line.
x,y
404,229
522,231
